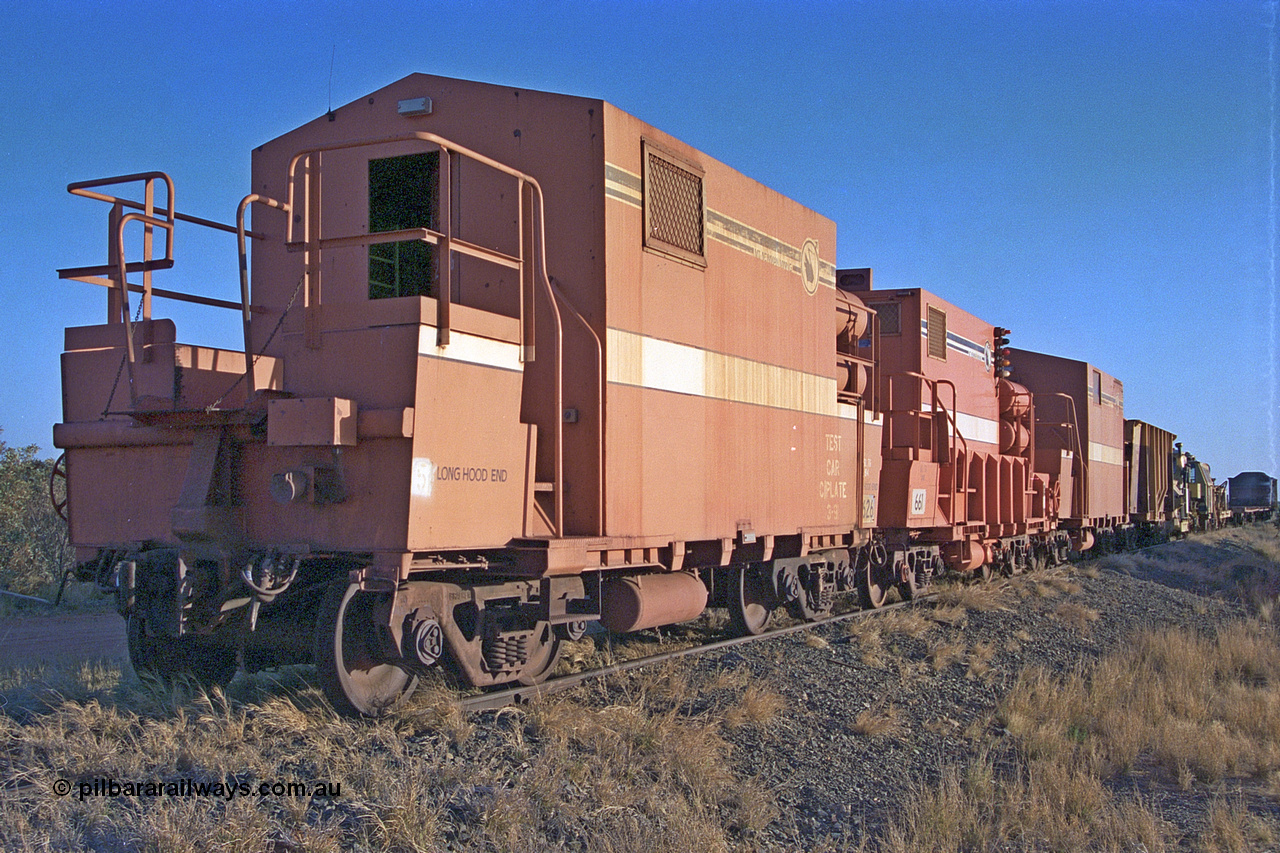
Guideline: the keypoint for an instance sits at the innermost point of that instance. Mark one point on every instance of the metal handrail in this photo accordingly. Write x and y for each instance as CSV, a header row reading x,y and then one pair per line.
x,y
599,401
123,285
117,268
245,302
955,430
80,188
449,243
1081,486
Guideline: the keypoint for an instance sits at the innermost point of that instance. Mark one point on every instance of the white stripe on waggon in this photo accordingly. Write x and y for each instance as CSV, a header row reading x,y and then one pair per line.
x,y
660,365
471,349
1104,454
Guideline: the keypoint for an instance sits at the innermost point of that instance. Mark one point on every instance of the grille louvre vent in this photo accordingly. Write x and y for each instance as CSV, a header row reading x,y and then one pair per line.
x,y
937,333
673,208
890,321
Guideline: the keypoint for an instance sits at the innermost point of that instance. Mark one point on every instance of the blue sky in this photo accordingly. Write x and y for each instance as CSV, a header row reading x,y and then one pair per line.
x,y
1097,176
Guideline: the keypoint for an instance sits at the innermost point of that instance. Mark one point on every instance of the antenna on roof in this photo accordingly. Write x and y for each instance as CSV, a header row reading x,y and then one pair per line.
x,y
332,56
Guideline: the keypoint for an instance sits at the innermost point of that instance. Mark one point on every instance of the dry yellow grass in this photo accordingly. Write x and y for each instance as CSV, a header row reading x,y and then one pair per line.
x,y
948,615
1262,539
911,623
946,652
1041,806
877,722
1233,829
975,595
870,641
640,772
1074,615
1199,710
759,704
814,641
979,661
1202,707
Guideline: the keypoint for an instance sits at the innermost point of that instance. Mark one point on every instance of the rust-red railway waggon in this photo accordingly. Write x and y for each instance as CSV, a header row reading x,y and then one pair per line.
x,y
958,486
517,361
514,362
1080,441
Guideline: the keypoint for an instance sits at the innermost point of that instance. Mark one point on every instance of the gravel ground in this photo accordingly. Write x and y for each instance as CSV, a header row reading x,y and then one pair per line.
x,y
835,788
834,785
810,741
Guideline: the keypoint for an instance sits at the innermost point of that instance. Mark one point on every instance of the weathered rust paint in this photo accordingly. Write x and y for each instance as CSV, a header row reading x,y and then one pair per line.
x,y
649,601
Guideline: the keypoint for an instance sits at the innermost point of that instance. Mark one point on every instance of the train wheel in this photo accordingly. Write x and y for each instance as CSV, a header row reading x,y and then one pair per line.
x,y
544,659
751,602
171,659
354,676
58,486
874,584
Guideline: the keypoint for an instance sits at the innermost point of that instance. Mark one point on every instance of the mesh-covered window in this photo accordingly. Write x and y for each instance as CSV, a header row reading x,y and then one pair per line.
x,y
937,333
890,322
673,207
403,193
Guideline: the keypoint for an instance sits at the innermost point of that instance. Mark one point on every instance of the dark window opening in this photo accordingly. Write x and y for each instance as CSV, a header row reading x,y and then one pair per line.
x,y
403,193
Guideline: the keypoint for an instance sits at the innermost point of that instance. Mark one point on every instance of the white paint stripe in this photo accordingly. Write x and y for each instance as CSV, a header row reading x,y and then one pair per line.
x,y
622,185
673,367
666,366
978,429
1105,454
471,349
972,427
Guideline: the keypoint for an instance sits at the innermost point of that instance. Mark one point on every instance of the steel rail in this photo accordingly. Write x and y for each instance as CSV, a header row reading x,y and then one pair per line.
x,y
522,695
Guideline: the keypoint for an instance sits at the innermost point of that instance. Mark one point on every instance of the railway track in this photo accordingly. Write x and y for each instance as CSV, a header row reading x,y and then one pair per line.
x,y
521,695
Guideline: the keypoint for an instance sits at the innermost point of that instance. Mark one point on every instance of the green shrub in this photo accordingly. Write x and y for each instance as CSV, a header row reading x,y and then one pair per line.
x,y
34,548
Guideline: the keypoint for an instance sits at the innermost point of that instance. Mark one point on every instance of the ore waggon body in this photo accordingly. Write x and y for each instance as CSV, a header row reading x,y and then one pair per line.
x,y
514,362
1252,496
